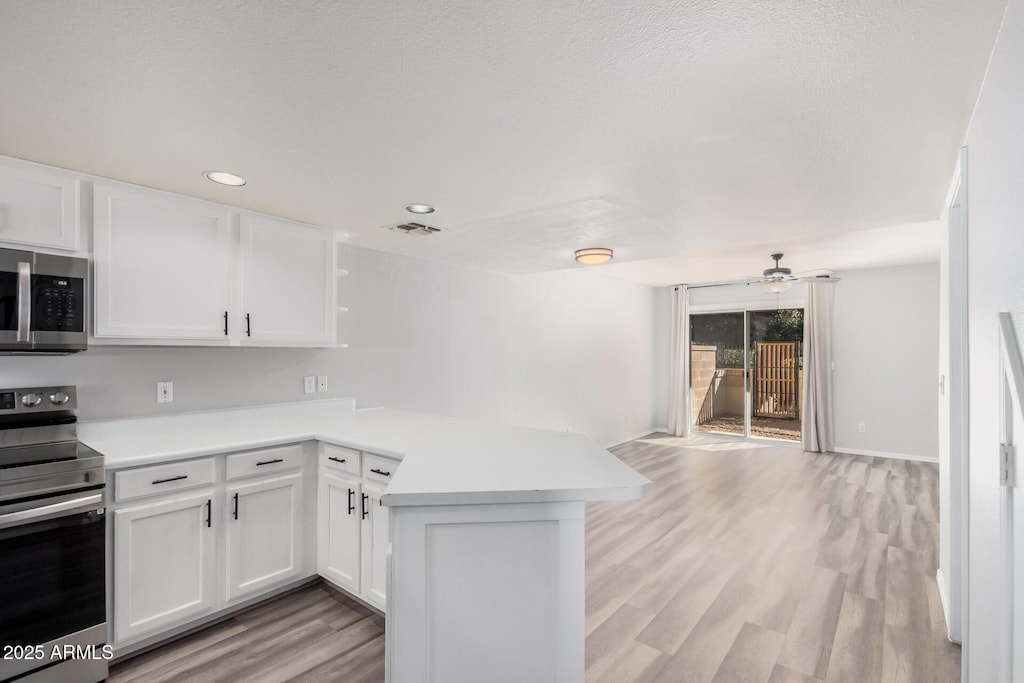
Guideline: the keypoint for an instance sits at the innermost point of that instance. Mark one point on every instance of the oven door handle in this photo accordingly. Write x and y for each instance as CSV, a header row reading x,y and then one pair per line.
x,y
61,509
24,301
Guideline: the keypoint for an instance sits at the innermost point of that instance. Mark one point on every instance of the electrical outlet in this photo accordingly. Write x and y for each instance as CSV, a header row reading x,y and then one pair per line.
x,y
309,384
165,392
321,383
861,427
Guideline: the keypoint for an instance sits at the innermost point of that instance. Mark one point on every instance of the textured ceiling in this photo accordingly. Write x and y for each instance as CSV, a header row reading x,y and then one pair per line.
x,y
536,127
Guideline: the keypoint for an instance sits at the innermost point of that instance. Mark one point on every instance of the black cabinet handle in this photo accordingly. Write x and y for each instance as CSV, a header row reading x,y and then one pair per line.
x,y
365,511
351,505
269,462
236,506
225,323
177,478
248,329
381,473
331,457
209,508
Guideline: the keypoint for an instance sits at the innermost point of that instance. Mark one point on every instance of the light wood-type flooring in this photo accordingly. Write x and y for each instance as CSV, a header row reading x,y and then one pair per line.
x,y
748,563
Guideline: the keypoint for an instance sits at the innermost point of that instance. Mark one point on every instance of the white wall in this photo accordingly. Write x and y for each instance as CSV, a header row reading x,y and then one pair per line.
x,y
885,348
572,349
563,350
995,229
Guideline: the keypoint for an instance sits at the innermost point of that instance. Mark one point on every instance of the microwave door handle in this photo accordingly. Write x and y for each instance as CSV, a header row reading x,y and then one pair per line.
x,y
24,301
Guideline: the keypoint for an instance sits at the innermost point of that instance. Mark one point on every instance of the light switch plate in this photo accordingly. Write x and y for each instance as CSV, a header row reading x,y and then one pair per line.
x,y
321,383
309,384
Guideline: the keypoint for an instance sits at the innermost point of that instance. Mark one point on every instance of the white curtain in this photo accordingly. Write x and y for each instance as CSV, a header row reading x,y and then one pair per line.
x,y
678,400
816,427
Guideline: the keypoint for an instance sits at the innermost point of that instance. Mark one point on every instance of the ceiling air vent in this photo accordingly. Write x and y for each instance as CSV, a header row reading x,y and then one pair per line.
x,y
415,228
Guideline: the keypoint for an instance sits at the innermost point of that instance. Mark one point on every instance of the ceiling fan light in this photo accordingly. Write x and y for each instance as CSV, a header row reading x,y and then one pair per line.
x,y
594,256
777,286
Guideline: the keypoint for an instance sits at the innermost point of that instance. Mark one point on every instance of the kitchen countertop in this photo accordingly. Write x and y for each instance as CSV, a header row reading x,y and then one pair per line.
x,y
445,460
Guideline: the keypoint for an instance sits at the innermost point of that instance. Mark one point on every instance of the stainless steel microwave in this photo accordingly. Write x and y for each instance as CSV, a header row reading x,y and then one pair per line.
x,y
43,299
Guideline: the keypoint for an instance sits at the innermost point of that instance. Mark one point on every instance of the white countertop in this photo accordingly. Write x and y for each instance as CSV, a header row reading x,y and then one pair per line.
x,y
445,460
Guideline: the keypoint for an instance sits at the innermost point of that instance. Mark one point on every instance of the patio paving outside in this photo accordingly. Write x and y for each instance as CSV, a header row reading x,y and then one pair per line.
x,y
764,427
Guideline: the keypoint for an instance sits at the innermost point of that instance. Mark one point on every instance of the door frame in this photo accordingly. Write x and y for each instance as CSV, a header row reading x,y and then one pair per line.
x,y
745,308
956,386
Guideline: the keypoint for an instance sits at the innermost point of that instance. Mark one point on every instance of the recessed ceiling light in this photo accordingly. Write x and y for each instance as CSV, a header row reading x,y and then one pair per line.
x,y
419,208
594,256
225,178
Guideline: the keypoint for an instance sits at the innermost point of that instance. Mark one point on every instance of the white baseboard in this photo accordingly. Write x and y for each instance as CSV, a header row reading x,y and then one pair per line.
x,y
884,454
652,430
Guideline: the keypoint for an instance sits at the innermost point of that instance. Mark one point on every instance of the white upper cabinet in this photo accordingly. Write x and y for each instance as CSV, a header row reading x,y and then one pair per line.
x,y
38,207
288,281
164,266
175,270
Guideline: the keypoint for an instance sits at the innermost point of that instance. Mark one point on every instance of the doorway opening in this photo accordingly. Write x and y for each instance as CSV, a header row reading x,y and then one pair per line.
x,y
746,372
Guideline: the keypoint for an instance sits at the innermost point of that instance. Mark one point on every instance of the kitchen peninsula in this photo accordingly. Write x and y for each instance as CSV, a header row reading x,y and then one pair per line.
x,y
478,534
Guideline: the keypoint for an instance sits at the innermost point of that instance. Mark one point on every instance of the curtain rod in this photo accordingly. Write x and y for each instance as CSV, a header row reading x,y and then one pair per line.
x,y
728,283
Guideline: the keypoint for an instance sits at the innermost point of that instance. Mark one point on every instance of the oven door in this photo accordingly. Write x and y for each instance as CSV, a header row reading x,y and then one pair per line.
x,y
52,590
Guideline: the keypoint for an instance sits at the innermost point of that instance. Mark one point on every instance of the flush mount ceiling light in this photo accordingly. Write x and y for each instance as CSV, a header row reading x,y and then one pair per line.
x,y
419,208
225,178
594,256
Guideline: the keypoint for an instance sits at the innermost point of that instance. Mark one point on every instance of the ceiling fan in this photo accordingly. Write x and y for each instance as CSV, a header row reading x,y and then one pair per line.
x,y
778,279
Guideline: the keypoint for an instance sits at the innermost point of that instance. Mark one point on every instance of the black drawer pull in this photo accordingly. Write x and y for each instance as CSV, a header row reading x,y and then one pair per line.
x,y
381,473
331,457
351,505
177,478
209,508
236,506
269,462
365,511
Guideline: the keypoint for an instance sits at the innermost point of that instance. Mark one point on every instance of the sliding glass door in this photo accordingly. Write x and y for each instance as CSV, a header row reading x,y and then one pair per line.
x,y
746,371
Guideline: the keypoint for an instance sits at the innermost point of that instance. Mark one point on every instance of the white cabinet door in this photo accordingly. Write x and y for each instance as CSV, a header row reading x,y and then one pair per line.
x,y
163,564
164,267
288,283
339,525
374,548
264,534
38,207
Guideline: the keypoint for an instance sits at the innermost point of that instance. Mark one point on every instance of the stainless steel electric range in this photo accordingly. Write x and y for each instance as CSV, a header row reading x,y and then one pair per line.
x,y
52,542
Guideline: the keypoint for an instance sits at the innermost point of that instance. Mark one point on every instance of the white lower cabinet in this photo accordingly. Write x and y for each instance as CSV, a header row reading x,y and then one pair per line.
x,y
338,530
196,537
184,555
353,523
164,564
263,534
374,544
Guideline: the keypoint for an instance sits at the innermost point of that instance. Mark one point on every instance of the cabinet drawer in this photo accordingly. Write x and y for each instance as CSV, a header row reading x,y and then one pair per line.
x,y
159,479
267,461
378,468
339,459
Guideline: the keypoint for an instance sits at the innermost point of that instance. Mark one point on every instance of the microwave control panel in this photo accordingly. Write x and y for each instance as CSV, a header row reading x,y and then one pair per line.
x,y
58,303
